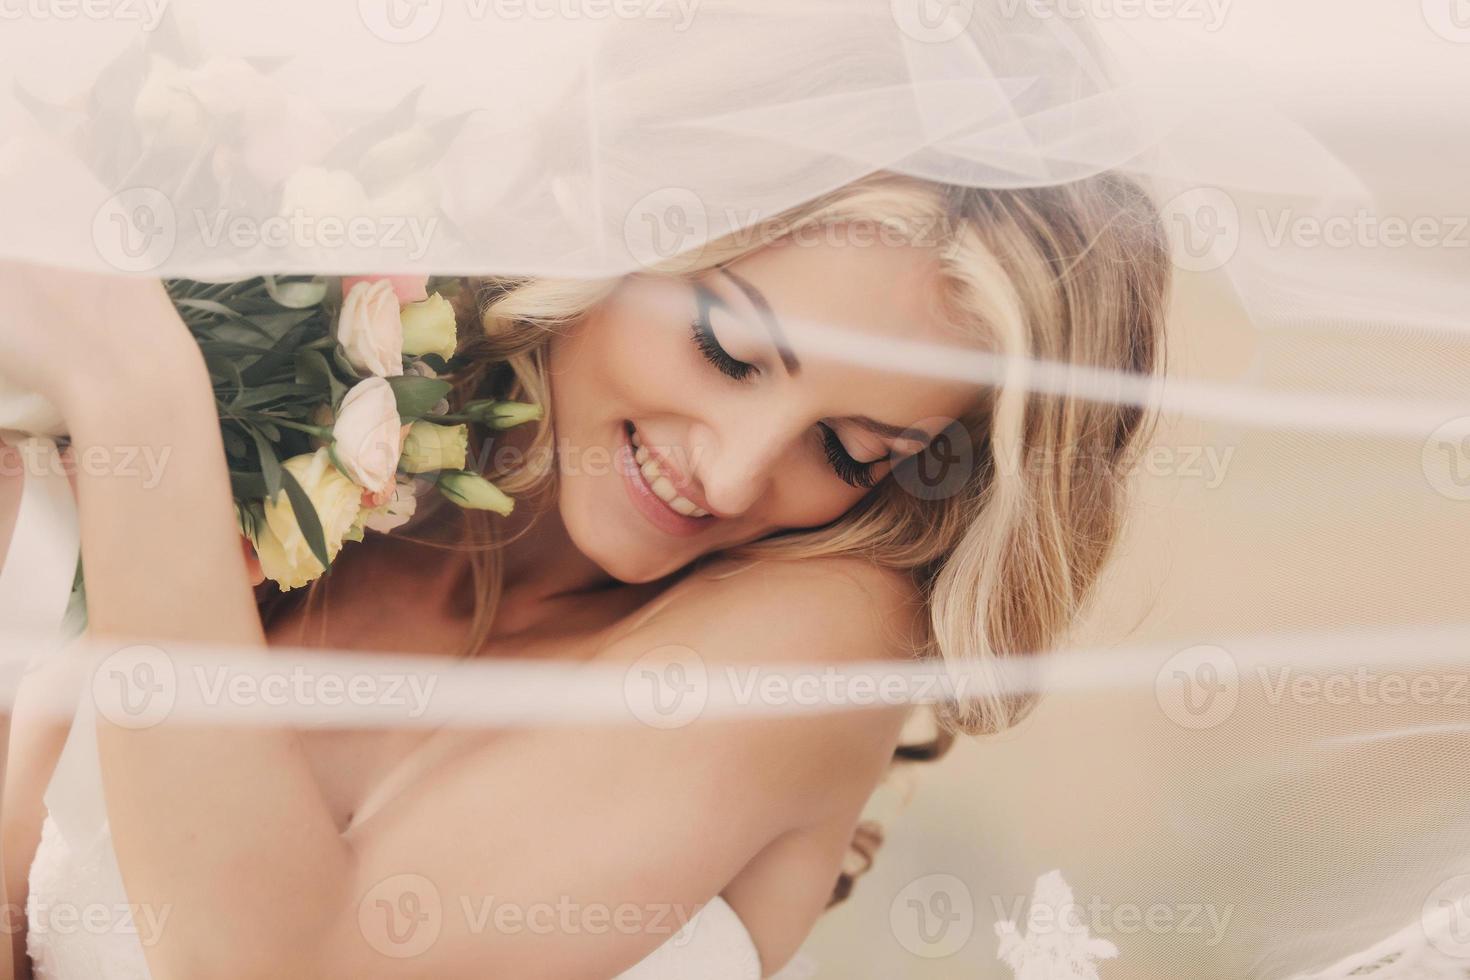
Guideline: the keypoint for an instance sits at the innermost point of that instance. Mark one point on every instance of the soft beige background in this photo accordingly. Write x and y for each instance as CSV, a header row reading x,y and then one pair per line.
x,y
1256,817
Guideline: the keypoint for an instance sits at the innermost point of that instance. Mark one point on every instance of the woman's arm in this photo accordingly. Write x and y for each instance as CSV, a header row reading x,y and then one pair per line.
x,y
560,852
40,721
227,827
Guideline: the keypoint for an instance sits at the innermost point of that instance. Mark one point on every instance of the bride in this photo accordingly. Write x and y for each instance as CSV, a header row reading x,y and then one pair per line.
x,y
721,484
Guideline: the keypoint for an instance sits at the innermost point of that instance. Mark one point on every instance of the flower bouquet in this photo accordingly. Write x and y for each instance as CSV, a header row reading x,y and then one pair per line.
x,y
329,391
332,408
333,411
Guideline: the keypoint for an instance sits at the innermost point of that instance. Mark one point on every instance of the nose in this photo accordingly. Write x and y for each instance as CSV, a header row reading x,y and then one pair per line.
x,y
736,460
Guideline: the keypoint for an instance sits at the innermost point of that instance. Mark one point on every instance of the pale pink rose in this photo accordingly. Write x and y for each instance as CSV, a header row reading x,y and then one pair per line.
x,y
408,289
369,329
369,435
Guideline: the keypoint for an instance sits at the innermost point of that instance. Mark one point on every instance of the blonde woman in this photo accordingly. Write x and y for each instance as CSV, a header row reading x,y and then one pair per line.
x,y
720,482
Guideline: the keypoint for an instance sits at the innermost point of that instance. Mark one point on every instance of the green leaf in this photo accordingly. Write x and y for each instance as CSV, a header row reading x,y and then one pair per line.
x,y
234,443
339,357
213,307
270,464
265,394
435,361
247,486
416,395
306,517
267,429
281,357
312,369
223,368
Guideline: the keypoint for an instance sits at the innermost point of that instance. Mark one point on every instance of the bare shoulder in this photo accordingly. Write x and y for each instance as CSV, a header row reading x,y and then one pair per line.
x,y
744,629
816,610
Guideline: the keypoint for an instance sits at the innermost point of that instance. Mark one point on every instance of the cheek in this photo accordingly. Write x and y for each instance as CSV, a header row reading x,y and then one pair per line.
x,y
620,364
810,495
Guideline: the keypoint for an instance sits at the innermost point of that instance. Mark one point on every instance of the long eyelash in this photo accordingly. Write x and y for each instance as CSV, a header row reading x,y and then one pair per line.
x,y
704,339
848,469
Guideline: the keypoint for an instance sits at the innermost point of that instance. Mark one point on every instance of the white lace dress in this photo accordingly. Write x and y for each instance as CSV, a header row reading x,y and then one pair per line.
x,y
81,926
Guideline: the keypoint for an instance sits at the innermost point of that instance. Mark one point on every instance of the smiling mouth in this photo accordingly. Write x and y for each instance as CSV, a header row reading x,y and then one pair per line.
x,y
653,491
653,476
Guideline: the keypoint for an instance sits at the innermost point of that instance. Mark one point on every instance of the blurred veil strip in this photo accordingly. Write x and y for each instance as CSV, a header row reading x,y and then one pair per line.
x,y
1251,759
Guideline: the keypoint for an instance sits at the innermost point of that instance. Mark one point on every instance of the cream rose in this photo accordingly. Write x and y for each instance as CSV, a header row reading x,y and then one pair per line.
x,y
428,328
285,556
432,447
369,329
368,435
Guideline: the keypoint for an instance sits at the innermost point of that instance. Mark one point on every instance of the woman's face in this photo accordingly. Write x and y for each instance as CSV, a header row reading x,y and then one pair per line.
x,y
744,428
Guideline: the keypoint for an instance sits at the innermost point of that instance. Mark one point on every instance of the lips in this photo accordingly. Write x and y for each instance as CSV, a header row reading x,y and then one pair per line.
x,y
653,508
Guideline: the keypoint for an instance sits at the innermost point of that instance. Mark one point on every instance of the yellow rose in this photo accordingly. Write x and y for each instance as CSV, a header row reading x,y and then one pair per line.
x,y
428,328
432,447
285,557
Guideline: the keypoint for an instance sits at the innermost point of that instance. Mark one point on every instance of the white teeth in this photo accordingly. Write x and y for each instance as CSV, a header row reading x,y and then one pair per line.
x,y
653,475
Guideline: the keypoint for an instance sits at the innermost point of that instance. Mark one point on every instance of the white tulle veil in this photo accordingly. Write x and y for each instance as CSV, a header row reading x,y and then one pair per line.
x,y
1252,759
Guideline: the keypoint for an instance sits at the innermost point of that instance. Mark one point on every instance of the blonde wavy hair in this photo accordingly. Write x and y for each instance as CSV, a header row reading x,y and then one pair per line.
x,y
1076,274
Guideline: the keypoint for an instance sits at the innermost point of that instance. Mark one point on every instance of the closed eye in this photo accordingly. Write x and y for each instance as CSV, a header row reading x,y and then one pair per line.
x,y
709,345
849,470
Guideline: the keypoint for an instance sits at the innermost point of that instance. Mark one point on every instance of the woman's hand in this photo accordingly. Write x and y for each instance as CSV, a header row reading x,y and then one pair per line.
x,y
92,345
80,339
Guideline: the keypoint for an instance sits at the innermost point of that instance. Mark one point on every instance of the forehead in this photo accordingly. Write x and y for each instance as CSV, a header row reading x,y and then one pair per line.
x,y
832,298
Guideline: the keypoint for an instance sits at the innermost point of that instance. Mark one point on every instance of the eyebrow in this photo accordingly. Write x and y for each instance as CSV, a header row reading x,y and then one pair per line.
x,y
889,429
768,316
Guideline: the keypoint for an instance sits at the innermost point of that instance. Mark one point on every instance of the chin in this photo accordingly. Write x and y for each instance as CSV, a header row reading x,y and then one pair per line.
x,y
622,556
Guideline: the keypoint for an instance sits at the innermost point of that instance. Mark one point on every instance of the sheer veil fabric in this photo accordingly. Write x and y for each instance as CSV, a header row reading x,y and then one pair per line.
x,y
1252,757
